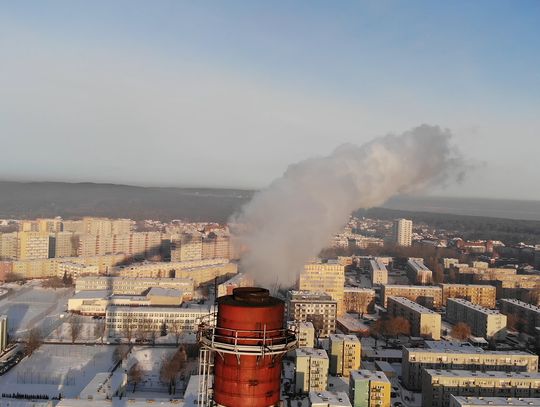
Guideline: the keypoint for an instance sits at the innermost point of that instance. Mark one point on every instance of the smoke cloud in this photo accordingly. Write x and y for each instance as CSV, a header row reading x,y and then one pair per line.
x,y
288,223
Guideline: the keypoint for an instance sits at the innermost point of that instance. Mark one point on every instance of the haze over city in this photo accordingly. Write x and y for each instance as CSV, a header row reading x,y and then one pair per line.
x,y
269,204
230,94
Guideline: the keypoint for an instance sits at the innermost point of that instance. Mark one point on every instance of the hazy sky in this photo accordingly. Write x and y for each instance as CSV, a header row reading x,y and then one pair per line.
x,y
229,93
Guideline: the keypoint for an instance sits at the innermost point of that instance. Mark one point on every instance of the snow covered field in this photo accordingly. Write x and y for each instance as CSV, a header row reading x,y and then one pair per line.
x,y
32,305
55,369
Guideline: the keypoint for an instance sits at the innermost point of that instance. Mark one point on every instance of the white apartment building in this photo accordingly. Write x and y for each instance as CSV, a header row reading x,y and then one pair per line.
x,y
378,272
345,354
402,232
311,370
418,272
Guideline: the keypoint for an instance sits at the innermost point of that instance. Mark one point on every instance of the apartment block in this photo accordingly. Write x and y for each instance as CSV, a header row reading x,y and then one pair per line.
x,y
359,300
527,314
311,370
483,295
186,246
369,388
483,322
239,280
415,360
345,354
439,385
428,296
33,246
64,244
378,272
418,272
328,399
318,308
76,270
424,322
9,244
472,401
402,232
324,277
305,334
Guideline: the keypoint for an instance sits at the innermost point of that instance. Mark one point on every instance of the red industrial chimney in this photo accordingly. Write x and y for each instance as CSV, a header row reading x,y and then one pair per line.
x,y
248,341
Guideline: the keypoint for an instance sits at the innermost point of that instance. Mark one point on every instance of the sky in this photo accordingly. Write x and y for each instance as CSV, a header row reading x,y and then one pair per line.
x,y
228,94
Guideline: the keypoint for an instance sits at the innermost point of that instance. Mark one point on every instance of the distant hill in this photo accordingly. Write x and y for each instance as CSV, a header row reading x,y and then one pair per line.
x,y
72,200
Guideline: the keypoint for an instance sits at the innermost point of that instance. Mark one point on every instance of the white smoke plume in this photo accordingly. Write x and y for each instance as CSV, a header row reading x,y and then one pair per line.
x,y
288,223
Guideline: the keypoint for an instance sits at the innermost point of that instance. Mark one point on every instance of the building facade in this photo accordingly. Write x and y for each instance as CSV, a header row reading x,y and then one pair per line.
x,y
483,295
428,296
402,232
369,388
345,354
311,370
424,322
318,308
439,385
415,360
324,277
483,322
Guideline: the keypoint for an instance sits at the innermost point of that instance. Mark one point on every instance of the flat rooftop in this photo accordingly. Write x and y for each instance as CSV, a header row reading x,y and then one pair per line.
x,y
412,305
466,401
482,375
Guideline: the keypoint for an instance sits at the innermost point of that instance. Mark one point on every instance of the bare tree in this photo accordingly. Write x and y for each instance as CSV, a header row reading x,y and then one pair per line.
x,y
120,353
75,325
128,330
460,331
135,375
99,329
172,367
33,340
176,330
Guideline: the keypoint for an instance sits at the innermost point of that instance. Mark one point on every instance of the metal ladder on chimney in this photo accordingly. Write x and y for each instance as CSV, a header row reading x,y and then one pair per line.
x,y
206,364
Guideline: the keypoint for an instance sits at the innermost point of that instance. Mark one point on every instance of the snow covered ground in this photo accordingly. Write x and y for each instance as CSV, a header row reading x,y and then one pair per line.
x,y
31,305
55,369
